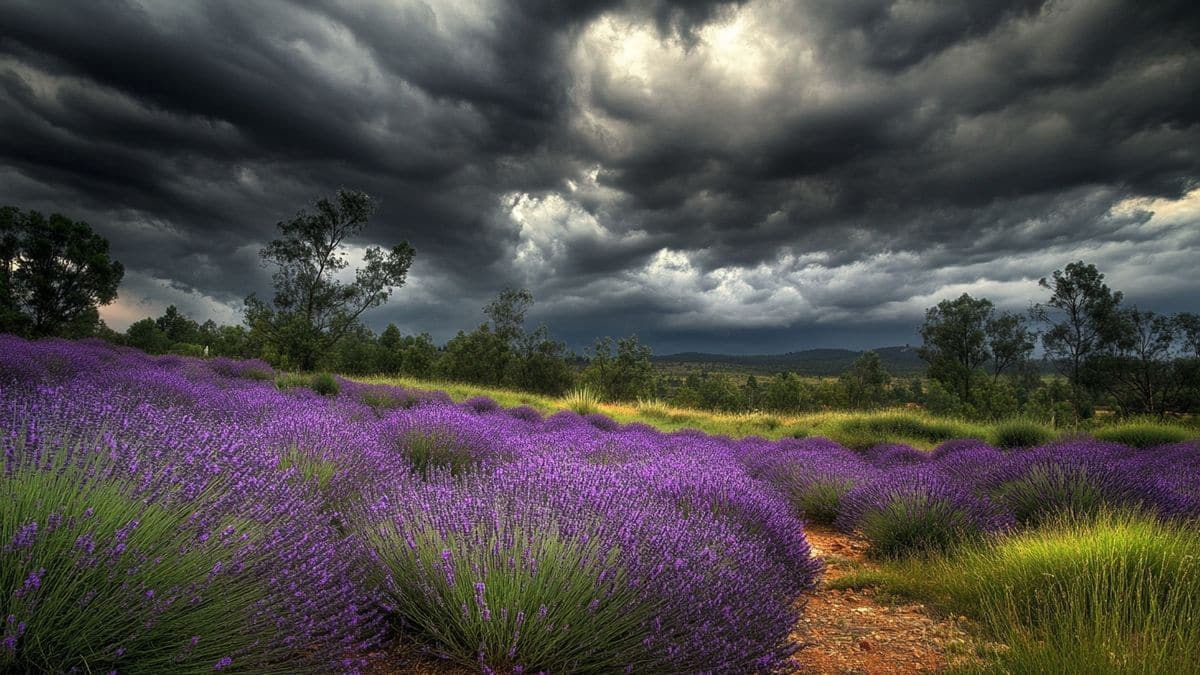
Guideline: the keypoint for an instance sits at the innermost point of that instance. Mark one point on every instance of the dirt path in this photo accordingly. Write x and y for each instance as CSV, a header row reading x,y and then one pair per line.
x,y
849,631
842,631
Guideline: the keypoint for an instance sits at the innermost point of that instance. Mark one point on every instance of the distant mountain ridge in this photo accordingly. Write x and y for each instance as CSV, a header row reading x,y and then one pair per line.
x,y
816,362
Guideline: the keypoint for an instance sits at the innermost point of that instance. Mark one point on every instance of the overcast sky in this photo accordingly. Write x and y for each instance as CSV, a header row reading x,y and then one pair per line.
x,y
740,177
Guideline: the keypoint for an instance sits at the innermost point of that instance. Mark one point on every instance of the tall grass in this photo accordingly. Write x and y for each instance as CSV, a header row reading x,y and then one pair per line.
x,y
1114,593
1145,433
582,400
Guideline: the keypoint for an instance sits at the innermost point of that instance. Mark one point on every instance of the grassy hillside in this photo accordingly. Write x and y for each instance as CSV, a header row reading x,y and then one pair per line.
x,y
852,429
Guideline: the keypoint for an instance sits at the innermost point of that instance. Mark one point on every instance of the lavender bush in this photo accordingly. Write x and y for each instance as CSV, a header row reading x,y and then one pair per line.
x,y
916,509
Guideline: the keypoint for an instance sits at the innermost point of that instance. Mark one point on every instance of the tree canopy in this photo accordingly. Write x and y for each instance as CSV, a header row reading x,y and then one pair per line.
x,y
54,273
311,309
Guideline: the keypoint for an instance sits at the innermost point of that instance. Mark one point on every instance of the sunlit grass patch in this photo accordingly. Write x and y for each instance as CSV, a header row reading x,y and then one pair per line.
x,y
1114,593
1146,434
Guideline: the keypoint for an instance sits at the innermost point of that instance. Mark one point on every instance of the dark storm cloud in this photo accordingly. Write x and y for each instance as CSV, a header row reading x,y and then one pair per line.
x,y
674,167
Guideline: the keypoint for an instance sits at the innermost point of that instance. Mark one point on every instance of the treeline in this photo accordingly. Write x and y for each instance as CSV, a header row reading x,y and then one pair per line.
x,y
1107,354
55,272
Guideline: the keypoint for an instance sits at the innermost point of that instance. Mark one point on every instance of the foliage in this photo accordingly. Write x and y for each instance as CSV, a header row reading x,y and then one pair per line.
x,y
1009,341
914,509
503,354
54,272
620,370
1019,433
311,309
1145,434
324,384
956,341
582,400
1082,317
865,431
865,382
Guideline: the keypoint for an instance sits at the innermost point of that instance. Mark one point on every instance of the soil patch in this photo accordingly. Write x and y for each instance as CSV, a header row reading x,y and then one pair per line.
x,y
854,631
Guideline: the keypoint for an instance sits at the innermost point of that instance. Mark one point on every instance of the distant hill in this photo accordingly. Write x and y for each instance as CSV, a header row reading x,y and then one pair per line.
x,y
817,362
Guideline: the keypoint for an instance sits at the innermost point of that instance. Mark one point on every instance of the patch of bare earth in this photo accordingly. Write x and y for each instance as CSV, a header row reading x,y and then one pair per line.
x,y
854,631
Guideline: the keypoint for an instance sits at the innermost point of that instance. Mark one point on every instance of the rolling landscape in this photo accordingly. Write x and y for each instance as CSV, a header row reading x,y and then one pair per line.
x,y
520,336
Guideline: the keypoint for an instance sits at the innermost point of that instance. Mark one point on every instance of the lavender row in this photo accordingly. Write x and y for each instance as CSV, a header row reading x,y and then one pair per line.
x,y
503,538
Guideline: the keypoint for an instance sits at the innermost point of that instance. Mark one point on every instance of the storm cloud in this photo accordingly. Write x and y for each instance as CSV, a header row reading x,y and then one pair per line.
x,y
748,176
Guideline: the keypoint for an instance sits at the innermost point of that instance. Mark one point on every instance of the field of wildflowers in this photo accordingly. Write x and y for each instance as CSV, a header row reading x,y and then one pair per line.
x,y
176,514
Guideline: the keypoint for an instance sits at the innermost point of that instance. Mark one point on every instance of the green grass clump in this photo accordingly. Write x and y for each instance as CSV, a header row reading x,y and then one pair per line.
x,y
654,408
96,580
915,524
572,611
582,400
1115,593
1019,433
1145,434
863,431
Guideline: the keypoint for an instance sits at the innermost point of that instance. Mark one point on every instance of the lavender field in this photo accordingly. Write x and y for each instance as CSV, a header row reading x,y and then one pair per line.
x,y
172,514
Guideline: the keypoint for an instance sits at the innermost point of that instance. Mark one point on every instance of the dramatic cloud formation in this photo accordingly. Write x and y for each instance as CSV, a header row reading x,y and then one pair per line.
x,y
748,176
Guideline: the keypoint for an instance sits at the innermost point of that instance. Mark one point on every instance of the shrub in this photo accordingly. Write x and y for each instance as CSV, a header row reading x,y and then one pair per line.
x,y
526,413
324,384
480,404
895,454
103,568
653,408
915,509
602,422
820,500
1020,433
1145,434
563,603
441,439
1048,490
598,574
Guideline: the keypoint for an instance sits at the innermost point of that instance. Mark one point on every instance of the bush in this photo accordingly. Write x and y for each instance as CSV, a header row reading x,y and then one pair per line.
x,y
324,384
533,598
1049,490
99,573
820,500
527,413
480,404
1145,434
598,574
653,408
912,510
1020,433
441,439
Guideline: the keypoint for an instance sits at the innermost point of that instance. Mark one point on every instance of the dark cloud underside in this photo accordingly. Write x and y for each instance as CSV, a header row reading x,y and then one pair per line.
x,y
736,176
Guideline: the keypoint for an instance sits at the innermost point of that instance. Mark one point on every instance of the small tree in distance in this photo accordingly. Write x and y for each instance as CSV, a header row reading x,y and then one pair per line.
x,y
311,310
955,341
